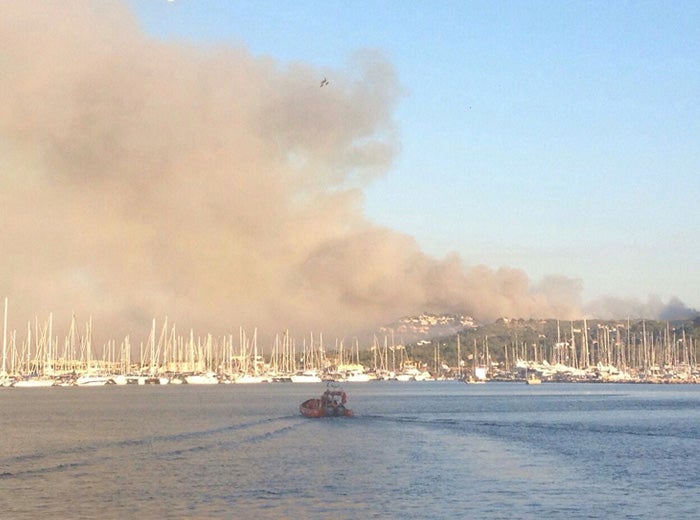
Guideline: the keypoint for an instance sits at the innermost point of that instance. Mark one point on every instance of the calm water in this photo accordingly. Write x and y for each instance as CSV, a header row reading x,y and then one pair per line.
x,y
414,450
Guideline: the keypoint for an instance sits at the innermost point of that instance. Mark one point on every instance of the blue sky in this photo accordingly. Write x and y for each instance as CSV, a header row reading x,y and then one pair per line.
x,y
554,137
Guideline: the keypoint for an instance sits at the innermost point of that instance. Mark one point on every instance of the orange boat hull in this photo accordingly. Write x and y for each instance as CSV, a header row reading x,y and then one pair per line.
x,y
314,409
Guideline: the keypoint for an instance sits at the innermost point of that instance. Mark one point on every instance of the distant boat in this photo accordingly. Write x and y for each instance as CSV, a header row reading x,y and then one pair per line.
x,y
330,404
119,379
358,377
309,376
202,379
33,382
532,379
410,373
156,380
478,377
93,380
246,379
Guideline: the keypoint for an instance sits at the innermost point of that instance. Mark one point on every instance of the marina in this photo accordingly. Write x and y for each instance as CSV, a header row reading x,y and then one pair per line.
x,y
590,353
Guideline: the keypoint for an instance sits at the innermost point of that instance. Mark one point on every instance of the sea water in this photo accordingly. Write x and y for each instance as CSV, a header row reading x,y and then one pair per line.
x,y
413,450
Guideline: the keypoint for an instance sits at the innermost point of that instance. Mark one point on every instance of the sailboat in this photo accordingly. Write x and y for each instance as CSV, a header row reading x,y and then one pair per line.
x,y
4,378
33,382
36,376
478,377
208,378
90,377
532,379
93,380
249,375
306,376
479,372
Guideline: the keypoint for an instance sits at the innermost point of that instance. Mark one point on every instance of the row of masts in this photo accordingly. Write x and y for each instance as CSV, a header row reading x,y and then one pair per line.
x,y
40,352
608,345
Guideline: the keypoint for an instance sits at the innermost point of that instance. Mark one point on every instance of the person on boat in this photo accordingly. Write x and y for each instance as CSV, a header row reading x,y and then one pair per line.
x,y
326,398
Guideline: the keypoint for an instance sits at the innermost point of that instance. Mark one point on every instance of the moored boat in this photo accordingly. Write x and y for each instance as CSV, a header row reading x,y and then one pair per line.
x,y
93,380
358,377
330,404
33,382
202,379
309,376
245,379
532,379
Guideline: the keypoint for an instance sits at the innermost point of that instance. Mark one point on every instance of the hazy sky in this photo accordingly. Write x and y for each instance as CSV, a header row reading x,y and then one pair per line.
x,y
555,137
499,159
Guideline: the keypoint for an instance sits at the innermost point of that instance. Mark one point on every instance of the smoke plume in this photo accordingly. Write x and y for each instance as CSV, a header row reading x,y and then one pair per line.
x,y
142,178
654,308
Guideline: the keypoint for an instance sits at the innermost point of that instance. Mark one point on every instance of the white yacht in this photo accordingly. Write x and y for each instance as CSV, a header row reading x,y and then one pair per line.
x,y
246,379
202,379
93,380
33,382
308,376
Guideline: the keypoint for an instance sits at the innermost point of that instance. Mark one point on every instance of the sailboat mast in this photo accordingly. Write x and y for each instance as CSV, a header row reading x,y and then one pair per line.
x,y
459,358
4,341
47,365
88,346
255,351
152,347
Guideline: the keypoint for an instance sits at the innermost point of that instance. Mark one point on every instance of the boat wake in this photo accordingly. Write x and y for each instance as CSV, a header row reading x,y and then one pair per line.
x,y
74,457
254,438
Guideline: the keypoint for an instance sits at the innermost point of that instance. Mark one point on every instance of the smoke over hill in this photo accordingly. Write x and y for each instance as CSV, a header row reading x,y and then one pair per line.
x,y
144,178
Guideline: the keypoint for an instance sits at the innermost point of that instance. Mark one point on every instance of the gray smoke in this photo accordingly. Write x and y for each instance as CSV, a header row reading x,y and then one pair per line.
x,y
653,308
143,178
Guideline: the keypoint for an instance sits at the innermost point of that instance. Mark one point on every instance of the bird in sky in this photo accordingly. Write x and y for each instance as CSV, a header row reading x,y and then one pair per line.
x,y
324,82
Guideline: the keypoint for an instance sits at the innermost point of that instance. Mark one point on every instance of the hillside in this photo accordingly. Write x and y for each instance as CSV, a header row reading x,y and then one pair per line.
x,y
428,338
